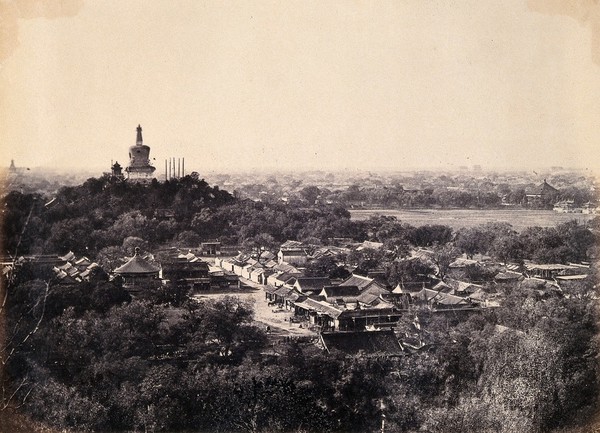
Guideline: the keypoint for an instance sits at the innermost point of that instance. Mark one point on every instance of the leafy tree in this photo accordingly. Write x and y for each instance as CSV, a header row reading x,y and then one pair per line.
x,y
325,266
442,257
507,248
310,193
130,243
429,235
409,273
366,259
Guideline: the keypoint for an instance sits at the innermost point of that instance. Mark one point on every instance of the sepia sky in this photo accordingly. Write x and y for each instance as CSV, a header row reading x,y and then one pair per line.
x,y
301,84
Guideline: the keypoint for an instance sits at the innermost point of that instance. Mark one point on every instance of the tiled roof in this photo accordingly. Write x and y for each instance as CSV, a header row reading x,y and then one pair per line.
x,y
284,267
508,275
375,289
267,255
137,265
357,280
429,295
367,298
340,291
286,277
271,289
319,307
367,342
310,284
287,293
69,256
370,245
548,267
369,312
83,261
292,245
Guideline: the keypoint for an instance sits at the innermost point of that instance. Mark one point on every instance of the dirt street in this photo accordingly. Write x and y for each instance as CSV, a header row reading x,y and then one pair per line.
x,y
277,319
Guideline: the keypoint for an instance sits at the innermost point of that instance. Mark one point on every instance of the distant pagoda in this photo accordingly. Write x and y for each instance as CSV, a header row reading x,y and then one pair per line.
x,y
139,169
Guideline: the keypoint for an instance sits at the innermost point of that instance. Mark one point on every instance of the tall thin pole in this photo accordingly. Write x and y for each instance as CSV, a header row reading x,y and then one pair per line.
x,y
183,167
166,175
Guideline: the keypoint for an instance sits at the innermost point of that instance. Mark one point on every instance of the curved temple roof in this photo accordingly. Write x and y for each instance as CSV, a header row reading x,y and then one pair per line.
x,y
137,265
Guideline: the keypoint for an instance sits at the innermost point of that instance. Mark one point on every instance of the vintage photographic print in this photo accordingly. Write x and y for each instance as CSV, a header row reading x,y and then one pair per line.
x,y
298,216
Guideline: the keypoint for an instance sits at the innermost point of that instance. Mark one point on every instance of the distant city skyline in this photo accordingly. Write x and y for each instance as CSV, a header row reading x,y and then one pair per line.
x,y
301,85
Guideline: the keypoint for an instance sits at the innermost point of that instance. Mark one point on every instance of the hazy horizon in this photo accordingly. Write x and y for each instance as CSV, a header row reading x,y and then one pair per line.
x,y
268,85
160,173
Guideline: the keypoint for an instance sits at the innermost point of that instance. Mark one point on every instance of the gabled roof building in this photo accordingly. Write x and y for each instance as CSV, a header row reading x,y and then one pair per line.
x,y
138,273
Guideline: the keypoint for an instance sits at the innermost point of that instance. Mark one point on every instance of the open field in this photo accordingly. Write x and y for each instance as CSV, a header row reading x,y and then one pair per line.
x,y
458,218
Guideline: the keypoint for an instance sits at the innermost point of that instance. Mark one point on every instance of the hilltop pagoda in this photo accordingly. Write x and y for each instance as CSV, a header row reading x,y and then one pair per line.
x,y
139,169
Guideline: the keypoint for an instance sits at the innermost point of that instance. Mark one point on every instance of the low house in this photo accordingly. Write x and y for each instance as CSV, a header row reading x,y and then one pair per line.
x,y
462,262
590,208
187,270
286,297
282,279
94,273
63,278
227,264
211,248
366,343
374,300
271,264
284,267
565,206
247,270
68,257
361,282
548,271
508,277
293,252
462,288
221,278
311,285
238,266
257,274
366,318
318,313
437,300
266,256
370,246
270,292
333,252
443,287
82,263
340,294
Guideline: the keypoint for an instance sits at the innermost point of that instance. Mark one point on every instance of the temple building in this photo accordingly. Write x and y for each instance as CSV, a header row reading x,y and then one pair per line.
x,y
139,168
138,274
116,170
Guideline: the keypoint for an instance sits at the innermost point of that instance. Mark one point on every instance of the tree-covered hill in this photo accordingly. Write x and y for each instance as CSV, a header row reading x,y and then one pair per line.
x,y
102,212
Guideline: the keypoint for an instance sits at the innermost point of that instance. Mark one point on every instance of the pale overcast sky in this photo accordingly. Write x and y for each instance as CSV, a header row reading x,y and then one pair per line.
x,y
301,84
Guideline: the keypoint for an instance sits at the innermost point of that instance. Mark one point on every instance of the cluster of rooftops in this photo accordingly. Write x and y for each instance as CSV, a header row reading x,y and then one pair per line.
x,y
349,306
